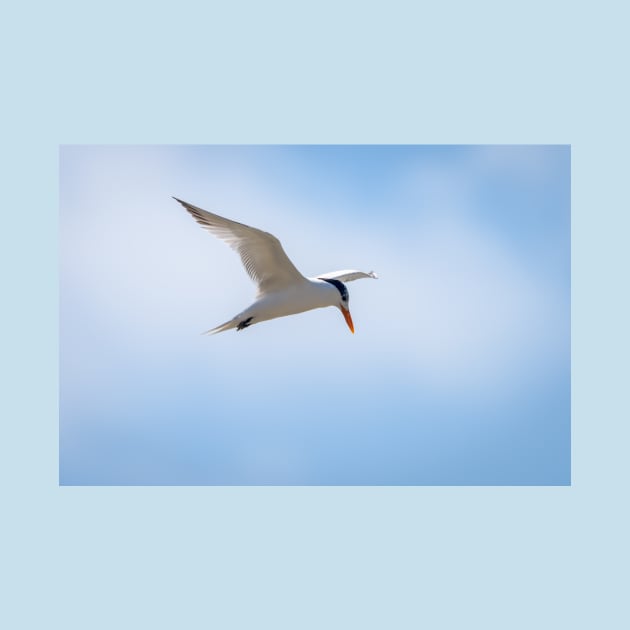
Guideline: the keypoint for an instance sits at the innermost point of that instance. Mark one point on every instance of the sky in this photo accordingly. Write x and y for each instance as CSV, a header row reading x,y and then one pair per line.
x,y
459,371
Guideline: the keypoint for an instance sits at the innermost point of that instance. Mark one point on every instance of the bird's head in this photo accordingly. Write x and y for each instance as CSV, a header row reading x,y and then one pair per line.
x,y
343,301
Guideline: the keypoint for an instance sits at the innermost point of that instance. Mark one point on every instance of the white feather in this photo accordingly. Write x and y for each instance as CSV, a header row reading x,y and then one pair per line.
x,y
261,253
347,275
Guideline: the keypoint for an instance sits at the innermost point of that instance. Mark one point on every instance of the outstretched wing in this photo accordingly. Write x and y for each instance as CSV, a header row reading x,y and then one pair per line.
x,y
261,253
346,275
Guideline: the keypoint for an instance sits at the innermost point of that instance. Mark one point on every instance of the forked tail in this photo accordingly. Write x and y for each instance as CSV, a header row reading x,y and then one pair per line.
x,y
233,323
239,322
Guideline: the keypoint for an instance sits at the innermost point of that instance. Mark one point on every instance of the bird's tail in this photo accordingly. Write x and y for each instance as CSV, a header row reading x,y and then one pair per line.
x,y
233,323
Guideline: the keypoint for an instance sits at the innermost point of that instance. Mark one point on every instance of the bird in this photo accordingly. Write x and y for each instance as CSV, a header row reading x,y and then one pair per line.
x,y
282,289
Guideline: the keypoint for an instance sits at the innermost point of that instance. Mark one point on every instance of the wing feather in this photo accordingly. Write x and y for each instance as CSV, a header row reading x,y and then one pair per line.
x,y
347,275
261,253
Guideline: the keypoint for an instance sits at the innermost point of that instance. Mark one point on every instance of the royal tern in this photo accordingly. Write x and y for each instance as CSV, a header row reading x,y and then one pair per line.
x,y
282,289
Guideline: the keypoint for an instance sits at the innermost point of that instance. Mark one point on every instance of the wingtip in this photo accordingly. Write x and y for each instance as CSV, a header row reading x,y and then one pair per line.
x,y
373,274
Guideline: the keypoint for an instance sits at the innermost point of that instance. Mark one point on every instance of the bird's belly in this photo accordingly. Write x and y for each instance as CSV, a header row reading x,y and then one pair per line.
x,y
283,304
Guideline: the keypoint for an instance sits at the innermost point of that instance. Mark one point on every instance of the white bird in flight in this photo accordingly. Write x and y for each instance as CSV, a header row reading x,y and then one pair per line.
x,y
282,289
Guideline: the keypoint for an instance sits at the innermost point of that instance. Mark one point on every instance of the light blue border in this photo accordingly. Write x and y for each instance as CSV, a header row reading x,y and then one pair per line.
x,y
315,557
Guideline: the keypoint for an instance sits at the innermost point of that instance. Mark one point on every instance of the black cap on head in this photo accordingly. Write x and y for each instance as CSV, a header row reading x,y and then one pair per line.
x,y
341,287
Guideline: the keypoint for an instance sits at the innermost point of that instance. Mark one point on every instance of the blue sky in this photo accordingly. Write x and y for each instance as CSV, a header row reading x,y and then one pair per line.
x,y
459,371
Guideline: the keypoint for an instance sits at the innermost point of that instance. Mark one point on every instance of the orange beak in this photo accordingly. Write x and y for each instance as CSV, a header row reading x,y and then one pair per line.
x,y
346,315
